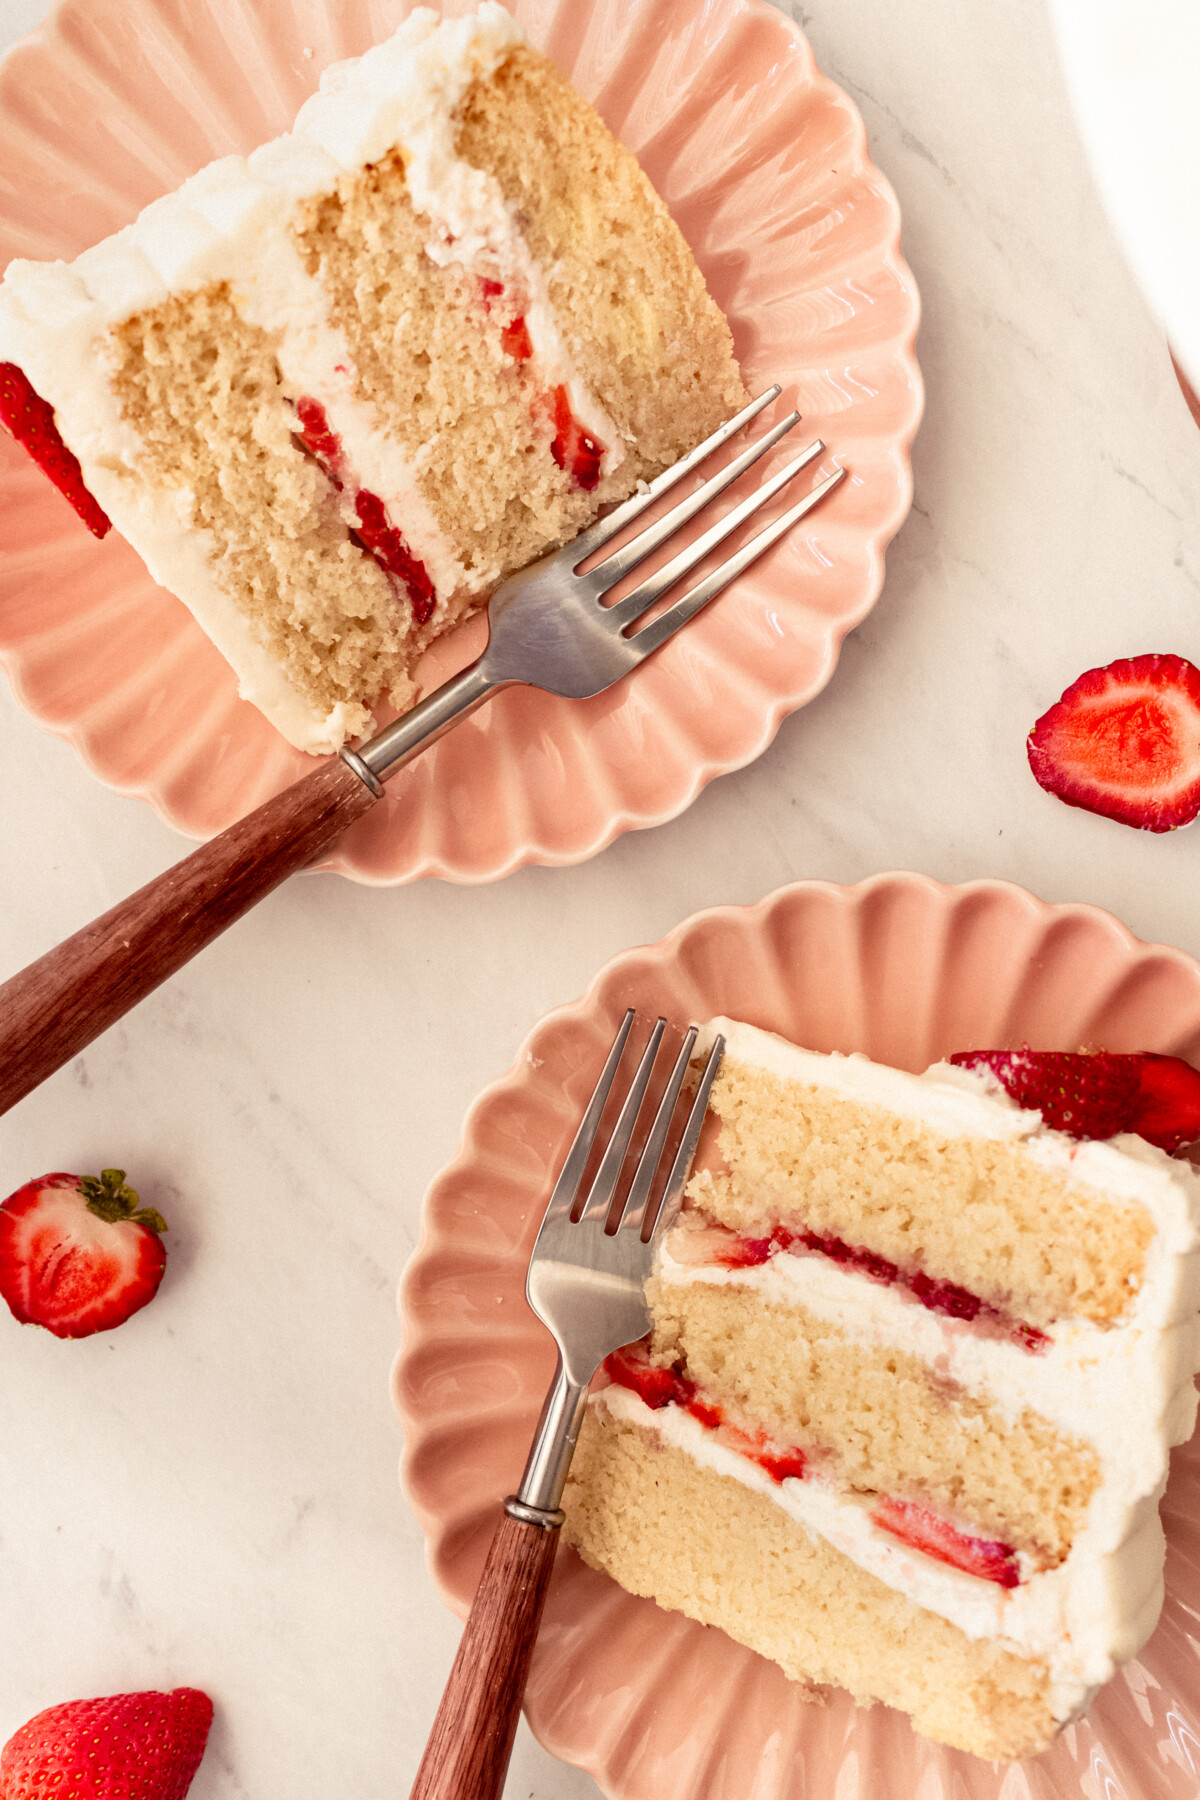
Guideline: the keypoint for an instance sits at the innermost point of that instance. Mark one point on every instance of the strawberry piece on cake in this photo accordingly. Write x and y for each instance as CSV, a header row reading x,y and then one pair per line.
x,y
78,1254
1124,741
1096,1094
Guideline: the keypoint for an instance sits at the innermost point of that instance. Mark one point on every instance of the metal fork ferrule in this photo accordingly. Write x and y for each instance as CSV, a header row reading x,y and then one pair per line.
x,y
354,761
388,751
516,1508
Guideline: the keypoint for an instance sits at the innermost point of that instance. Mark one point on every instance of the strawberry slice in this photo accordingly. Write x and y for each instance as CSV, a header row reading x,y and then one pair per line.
x,y
936,1537
574,449
631,1367
1124,741
1096,1094
390,551
514,337
516,340
319,437
78,1254
30,419
119,1747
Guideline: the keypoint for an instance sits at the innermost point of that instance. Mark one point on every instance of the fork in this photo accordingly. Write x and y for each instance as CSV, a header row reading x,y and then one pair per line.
x,y
586,1283
549,628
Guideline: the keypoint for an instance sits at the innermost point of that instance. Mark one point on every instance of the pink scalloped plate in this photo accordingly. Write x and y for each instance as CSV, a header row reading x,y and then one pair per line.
x,y
653,1705
763,163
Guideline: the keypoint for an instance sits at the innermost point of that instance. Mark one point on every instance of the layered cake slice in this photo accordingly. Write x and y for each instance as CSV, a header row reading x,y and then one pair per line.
x,y
333,392
903,1419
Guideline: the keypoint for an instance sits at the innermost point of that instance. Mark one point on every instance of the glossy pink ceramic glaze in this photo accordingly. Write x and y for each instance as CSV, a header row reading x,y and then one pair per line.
x,y
656,1707
764,165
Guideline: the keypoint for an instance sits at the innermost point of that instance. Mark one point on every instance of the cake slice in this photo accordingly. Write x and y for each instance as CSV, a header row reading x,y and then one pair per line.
x,y
903,1419
333,392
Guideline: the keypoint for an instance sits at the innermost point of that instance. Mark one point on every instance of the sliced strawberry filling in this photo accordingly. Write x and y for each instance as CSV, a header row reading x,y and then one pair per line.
x,y
30,419
632,1368
728,1250
390,551
514,337
516,340
320,438
914,1525
574,449
373,528
936,1537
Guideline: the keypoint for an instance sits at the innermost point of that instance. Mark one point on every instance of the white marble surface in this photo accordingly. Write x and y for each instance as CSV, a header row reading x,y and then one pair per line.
x,y
208,1495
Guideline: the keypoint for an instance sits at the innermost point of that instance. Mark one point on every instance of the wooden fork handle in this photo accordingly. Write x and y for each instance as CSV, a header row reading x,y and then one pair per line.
x,y
467,1755
55,1007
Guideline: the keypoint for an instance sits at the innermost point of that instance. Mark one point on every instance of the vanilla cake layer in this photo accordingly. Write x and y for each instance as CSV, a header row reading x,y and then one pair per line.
x,y
701,1542
334,391
835,1351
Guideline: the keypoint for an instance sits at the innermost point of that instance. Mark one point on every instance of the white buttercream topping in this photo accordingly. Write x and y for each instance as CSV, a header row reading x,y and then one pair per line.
x,y
230,223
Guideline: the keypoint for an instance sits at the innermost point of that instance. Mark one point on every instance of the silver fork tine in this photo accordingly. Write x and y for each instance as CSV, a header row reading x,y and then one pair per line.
x,y
567,1186
607,574
634,1213
673,1192
655,586
603,1188
685,608
612,522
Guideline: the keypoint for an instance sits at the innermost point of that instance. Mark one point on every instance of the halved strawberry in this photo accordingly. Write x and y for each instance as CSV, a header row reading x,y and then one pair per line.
x,y
78,1254
30,419
924,1530
1096,1094
118,1747
1124,741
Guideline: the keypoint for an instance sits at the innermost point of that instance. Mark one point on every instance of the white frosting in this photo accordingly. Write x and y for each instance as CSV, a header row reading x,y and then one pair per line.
x,y
1127,1389
230,222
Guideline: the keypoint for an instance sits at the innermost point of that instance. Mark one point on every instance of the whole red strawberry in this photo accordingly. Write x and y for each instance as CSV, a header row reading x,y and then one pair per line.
x,y
78,1254
31,421
1124,741
1096,1094
120,1747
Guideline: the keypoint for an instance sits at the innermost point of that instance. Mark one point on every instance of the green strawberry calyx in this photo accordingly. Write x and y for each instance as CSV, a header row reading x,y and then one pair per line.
x,y
109,1197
